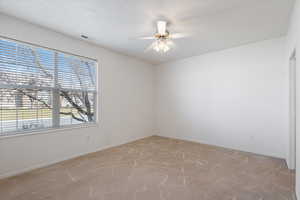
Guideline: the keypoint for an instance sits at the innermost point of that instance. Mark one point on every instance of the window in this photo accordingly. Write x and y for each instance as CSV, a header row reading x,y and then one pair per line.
x,y
42,88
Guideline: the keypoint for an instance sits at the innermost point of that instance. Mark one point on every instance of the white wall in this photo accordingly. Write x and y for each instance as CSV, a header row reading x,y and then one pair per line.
x,y
125,96
236,98
293,38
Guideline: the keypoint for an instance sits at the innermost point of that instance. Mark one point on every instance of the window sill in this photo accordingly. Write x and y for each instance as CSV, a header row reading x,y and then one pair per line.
x,y
48,130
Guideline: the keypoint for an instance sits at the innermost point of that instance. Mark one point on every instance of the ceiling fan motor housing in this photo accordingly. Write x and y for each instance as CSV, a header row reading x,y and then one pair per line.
x,y
164,36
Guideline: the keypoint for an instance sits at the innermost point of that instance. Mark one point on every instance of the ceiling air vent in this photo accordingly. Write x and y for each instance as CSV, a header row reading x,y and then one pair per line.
x,y
84,36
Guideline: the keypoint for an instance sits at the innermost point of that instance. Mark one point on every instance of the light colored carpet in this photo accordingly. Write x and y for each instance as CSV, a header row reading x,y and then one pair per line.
x,y
156,168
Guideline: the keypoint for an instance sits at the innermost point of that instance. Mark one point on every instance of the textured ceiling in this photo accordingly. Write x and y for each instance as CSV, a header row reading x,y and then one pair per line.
x,y
211,24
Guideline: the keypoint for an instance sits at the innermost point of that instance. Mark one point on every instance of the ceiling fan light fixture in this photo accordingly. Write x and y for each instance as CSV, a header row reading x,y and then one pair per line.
x,y
161,46
163,38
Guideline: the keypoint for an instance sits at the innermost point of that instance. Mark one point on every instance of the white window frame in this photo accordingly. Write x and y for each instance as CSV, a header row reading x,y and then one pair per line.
x,y
56,127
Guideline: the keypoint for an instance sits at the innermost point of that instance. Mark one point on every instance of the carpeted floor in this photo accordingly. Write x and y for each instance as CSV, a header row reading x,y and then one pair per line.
x,y
156,168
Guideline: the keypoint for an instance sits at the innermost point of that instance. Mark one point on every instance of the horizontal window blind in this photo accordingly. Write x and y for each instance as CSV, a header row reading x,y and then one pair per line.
x,y
24,66
76,74
42,88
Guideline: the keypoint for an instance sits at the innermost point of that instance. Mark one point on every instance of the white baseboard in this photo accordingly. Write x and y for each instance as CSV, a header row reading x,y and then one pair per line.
x,y
30,168
217,145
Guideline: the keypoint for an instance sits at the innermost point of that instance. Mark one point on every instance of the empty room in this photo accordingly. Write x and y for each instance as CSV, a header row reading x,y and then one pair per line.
x,y
149,100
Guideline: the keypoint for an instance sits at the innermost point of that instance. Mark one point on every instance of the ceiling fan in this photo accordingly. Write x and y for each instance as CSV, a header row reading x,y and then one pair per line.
x,y
163,38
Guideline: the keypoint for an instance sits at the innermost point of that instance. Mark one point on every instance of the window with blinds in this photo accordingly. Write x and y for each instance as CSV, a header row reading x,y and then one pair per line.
x,y
42,88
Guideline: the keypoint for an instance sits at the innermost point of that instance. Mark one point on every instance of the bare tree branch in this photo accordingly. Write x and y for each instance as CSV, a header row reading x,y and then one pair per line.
x,y
82,117
38,63
88,105
34,98
48,106
70,100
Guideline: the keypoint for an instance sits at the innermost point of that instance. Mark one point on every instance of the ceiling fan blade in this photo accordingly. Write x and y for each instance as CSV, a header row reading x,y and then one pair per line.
x,y
161,27
147,38
171,43
178,35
